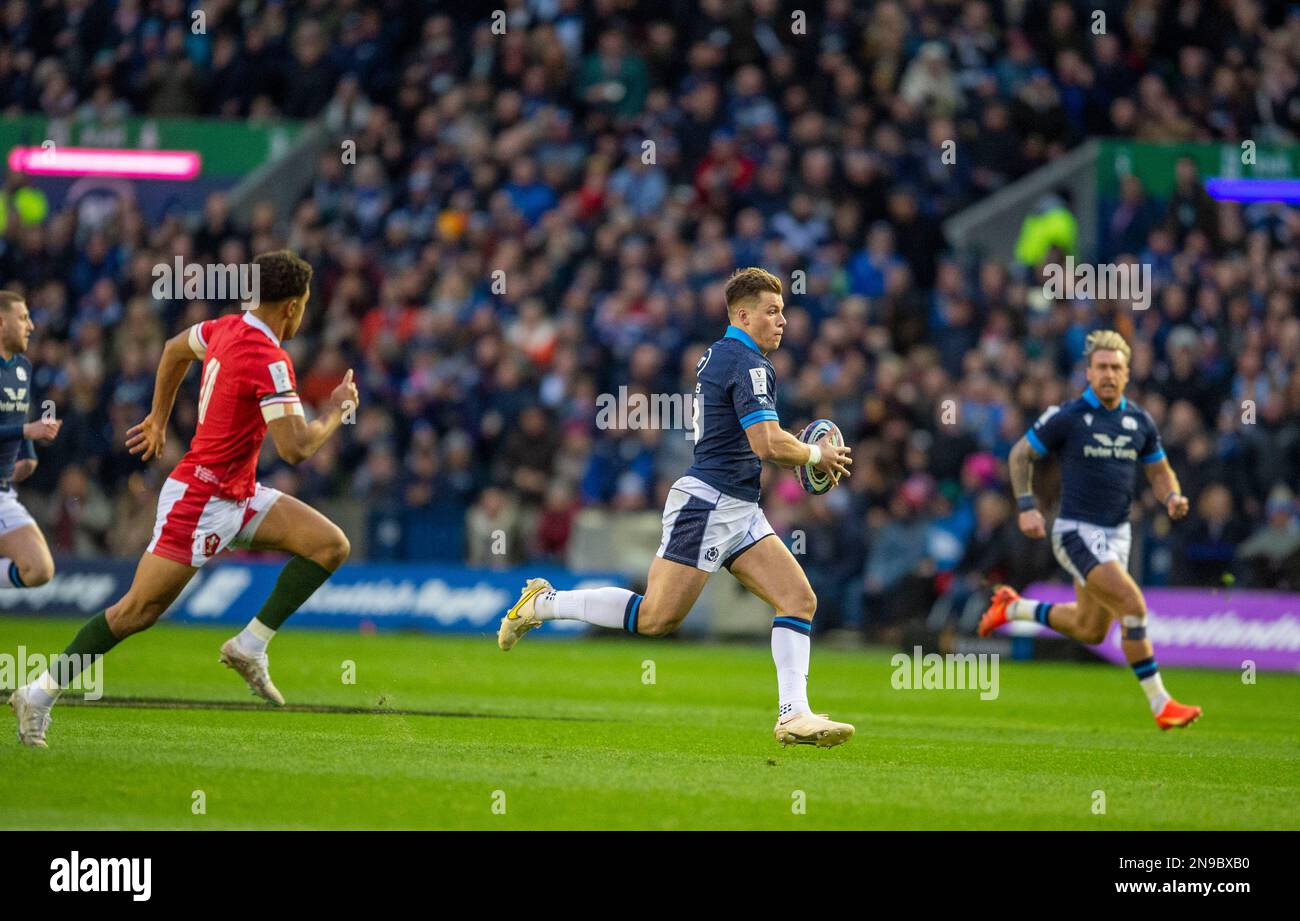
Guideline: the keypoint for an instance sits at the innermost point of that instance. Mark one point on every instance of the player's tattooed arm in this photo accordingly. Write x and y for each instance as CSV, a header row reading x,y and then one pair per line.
x,y
148,436
1021,464
772,443
1164,483
296,439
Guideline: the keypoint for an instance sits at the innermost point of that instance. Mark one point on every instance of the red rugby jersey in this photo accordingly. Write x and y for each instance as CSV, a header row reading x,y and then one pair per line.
x,y
248,381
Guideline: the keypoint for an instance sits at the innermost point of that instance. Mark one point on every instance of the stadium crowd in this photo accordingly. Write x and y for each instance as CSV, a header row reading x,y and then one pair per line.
x,y
539,217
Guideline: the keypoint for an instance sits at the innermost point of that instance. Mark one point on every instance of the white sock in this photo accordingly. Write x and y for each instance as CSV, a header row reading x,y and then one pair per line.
x,y
253,638
1021,609
791,650
1157,696
44,691
600,607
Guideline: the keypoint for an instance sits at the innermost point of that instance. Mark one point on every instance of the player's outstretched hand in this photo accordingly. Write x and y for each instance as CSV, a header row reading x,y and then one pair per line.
x,y
345,394
835,458
146,438
1031,523
43,430
1177,506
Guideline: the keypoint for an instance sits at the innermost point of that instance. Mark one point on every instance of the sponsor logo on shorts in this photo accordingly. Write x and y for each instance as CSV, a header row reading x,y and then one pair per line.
x,y
206,475
711,554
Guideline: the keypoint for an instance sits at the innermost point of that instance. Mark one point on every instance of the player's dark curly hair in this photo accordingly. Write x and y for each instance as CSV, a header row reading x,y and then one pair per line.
x,y
281,275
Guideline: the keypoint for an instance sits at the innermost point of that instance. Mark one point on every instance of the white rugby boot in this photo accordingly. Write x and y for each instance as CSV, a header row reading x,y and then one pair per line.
x,y
33,721
812,729
521,618
252,668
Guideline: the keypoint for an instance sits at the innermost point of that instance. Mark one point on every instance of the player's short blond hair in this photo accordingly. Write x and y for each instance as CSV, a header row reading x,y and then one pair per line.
x,y
746,283
1106,339
10,299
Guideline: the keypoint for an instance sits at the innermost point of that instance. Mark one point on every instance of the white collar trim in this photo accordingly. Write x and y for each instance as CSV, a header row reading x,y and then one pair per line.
x,y
254,321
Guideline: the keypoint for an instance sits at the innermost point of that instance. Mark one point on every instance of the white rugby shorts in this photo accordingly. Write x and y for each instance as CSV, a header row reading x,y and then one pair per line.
x,y
1080,546
707,529
13,515
193,526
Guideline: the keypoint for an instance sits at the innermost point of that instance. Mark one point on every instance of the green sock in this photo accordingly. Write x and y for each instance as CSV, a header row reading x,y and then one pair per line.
x,y
299,578
93,639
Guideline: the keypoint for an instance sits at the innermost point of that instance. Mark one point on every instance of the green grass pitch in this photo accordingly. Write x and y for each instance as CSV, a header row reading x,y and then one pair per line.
x,y
573,737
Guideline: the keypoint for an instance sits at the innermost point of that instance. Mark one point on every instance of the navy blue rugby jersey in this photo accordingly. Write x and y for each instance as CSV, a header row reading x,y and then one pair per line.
x,y
735,388
1099,450
15,399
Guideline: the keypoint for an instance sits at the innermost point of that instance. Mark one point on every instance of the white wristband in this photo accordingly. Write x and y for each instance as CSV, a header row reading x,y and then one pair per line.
x,y
814,454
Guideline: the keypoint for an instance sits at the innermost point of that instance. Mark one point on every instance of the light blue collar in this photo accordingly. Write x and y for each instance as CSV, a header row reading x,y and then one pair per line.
x,y
1095,402
735,332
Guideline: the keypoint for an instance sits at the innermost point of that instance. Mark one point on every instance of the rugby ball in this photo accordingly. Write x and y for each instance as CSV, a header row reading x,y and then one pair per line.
x,y
815,481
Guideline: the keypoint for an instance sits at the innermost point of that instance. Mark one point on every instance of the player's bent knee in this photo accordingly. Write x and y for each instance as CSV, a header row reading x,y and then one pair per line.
x,y
129,616
38,573
343,549
650,622
804,607
335,552
1092,632
1092,636
656,626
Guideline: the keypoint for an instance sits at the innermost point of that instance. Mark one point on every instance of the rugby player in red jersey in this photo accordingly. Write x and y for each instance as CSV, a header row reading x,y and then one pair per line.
x,y
212,500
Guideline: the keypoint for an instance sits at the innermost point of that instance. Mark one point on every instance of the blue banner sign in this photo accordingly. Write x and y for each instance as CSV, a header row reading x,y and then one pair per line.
x,y
433,597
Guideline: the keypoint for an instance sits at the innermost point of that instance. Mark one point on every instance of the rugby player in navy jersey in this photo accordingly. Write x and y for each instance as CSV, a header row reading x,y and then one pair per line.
x,y
1100,439
25,560
712,518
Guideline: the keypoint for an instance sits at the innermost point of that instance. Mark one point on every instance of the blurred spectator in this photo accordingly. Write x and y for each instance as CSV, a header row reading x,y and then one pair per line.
x,y
82,515
897,579
1131,222
1207,541
1273,551
494,531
